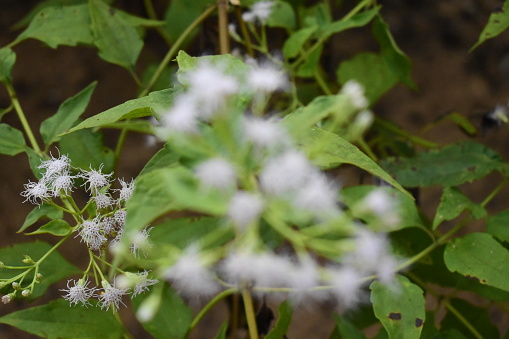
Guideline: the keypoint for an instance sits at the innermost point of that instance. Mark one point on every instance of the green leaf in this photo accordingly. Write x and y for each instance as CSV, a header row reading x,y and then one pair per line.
x,y
56,227
394,57
165,157
184,232
460,120
358,20
371,71
60,25
7,61
295,42
404,207
172,319
59,320
181,13
39,212
452,203
53,269
400,311
479,256
86,150
308,68
283,321
345,329
66,116
281,15
477,317
12,141
139,126
497,23
116,38
497,226
222,331
131,109
169,189
450,166
328,150
35,160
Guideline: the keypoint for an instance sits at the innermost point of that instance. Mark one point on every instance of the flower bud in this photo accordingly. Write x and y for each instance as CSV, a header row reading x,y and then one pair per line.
x,y
15,286
28,260
38,278
26,293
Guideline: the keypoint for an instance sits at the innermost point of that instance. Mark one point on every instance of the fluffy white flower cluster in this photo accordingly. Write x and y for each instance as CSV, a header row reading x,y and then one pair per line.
x,y
110,295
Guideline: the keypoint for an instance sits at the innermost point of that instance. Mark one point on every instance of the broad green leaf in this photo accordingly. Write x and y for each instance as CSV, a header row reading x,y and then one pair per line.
x,y
66,116
165,157
60,25
54,268
284,318
358,20
35,161
497,23
452,203
131,109
316,15
394,57
281,15
39,212
7,60
116,38
56,227
181,13
12,141
401,311
371,71
139,126
479,256
345,329
58,320
295,42
328,150
86,150
184,232
450,166
172,319
498,226
404,207
477,317
169,189
310,65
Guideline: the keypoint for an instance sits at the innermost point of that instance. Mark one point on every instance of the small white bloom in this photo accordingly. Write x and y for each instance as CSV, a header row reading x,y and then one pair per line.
x,y
355,91
265,133
244,208
143,283
500,115
189,277
56,166
36,192
285,173
182,117
266,78
119,217
111,296
379,201
103,200
80,292
63,183
317,195
139,241
91,234
6,299
260,11
216,172
26,293
347,286
126,191
108,225
95,179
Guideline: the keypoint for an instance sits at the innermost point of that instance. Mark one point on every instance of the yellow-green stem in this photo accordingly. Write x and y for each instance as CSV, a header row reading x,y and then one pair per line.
x,y
250,313
464,321
209,305
224,36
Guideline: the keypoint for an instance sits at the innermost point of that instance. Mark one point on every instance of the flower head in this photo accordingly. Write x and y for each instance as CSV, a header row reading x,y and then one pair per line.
x,y
126,191
244,208
80,292
355,92
111,296
266,78
140,241
265,133
260,11
63,183
216,172
56,166
36,192
95,179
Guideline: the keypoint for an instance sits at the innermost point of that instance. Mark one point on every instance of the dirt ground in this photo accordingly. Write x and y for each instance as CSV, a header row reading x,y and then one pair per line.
x,y
436,35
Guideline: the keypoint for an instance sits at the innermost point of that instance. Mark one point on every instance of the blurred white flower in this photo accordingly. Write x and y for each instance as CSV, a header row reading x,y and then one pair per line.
x,y
181,117
318,196
267,78
265,133
216,172
244,208
355,91
260,11
347,286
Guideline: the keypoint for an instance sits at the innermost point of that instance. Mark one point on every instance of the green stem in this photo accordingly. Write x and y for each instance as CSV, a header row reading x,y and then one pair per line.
x,y
22,118
321,82
365,147
250,313
210,304
224,36
462,319
244,31
52,249
149,7
398,131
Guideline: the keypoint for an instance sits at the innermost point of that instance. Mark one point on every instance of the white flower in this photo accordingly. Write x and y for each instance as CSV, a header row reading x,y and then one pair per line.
x,y
139,241
182,117
189,277
500,115
63,183
56,166
111,296
266,78
260,11
143,284
355,92
265,133
138,281
95,179
36,192
285,173
6,299
216,172
347,286
108,225
126,191
244,208
91,234
317,195
119,217
80,292
103,200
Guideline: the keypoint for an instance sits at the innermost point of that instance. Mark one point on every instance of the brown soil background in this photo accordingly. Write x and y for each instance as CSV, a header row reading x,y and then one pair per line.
x,y
436,35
